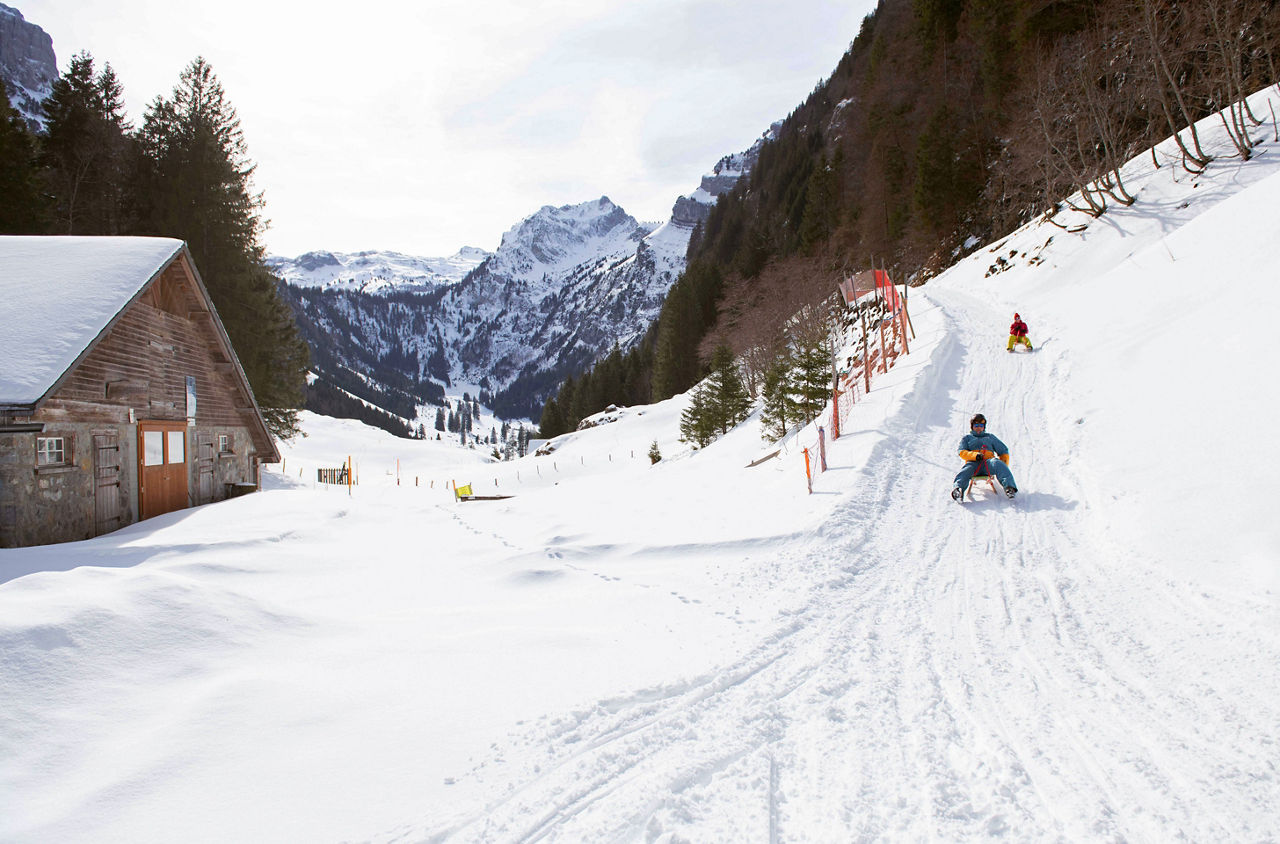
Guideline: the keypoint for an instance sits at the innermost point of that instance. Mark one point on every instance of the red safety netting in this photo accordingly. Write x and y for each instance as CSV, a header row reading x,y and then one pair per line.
x,y
880,342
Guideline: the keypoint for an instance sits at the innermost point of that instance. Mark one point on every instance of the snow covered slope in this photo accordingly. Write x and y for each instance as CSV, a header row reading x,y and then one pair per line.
x,y
700,651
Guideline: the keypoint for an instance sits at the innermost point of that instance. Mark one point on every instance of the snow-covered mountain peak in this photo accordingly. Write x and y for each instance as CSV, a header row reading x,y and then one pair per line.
x,y
376,271
553,240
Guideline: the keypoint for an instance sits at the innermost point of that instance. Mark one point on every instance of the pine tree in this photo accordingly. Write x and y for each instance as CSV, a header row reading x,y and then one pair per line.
x,y
820,205
84,150
552,423
22,211
608,376
698,420
675,362
779,408
586,397
565,399
729,402
812,385
195,183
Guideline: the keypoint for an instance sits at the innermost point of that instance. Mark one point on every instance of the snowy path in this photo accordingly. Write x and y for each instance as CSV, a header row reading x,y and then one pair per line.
x,y
955,672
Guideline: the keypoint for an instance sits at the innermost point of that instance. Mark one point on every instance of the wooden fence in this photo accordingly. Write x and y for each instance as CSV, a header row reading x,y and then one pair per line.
x,y
332,476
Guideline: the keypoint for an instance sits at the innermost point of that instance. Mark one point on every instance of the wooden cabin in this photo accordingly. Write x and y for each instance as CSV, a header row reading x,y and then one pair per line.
x,y
120,395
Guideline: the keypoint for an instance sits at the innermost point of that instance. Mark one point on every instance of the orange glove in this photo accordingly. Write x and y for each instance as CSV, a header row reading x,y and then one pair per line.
x,y
1005,458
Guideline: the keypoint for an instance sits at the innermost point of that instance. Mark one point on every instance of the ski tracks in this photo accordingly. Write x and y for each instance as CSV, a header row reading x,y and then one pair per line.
x,y
956,671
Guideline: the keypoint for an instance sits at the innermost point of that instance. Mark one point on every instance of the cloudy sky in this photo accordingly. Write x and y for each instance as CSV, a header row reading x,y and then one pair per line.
x,y
426,126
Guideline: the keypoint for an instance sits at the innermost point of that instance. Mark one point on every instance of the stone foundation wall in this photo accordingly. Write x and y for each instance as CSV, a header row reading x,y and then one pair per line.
x,y
45,504
40,505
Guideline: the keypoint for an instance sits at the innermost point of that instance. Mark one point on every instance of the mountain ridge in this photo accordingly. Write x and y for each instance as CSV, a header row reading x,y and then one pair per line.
x,y
566,285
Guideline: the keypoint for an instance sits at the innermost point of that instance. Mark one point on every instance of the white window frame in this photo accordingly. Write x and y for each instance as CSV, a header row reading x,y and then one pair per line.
x,y
46,451
224,444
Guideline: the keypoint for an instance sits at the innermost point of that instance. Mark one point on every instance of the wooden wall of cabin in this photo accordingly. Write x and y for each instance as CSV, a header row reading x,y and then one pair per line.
x,y
143,362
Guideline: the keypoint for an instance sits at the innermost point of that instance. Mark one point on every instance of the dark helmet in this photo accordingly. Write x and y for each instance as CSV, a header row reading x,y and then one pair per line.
x,y
978,419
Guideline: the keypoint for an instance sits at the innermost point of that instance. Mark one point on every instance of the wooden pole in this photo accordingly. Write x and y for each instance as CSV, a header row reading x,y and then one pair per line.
x,y
884,363
902,303
866,352
835,409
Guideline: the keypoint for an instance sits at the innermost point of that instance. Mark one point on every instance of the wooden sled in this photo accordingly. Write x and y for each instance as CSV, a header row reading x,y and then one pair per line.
x,y
991,482
464,493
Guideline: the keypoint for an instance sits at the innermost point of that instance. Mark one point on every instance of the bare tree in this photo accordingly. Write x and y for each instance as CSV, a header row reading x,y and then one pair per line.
x,y
756,360
1104,68
1226,26
1160,27
1058,110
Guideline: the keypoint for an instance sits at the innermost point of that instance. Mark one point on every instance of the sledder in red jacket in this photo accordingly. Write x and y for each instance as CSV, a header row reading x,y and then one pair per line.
x,y
1018,334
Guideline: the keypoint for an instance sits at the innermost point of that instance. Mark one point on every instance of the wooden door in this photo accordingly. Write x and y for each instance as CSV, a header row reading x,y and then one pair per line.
x,y
162,468
204,468
106,479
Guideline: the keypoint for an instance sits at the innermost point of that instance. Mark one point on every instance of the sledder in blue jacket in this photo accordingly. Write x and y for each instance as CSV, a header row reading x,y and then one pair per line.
x,y
980,451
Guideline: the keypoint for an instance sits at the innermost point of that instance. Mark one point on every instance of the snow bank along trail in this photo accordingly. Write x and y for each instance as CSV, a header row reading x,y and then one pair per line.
x,y
956,671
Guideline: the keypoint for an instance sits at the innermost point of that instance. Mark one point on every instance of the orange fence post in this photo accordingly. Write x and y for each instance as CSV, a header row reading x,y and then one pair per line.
x,y
808,476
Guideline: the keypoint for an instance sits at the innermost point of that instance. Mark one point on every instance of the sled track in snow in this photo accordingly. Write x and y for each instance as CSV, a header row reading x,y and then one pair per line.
x,y
957,671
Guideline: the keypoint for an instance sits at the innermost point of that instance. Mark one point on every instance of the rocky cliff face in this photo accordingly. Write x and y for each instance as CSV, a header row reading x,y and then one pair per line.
x,y
28,65
693,208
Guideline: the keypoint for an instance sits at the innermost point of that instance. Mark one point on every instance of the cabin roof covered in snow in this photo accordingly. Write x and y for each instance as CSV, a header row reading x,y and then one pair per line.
x,y
58,294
